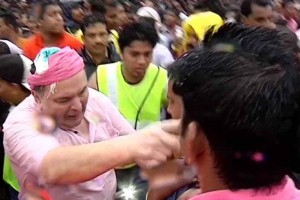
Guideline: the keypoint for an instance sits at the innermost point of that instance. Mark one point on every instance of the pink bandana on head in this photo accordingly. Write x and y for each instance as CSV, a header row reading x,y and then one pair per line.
x,y
53,65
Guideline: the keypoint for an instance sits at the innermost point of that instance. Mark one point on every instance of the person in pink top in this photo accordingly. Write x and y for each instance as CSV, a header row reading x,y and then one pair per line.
x,y
240,126
67,138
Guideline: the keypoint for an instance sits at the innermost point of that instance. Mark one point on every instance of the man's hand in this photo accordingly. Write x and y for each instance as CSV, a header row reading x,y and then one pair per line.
x,y
155,144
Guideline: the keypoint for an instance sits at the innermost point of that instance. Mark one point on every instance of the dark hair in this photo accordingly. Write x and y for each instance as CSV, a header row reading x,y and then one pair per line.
x,y
137,32
246,5
4,49
92,20
97,6
215,6
45,3
242,89
286,3
9,19
147,20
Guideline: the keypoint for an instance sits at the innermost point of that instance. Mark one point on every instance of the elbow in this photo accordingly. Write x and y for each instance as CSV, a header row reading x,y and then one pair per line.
x,y
48,174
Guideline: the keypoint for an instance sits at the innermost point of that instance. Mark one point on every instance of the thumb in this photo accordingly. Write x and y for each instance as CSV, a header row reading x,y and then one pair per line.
x,y
171,126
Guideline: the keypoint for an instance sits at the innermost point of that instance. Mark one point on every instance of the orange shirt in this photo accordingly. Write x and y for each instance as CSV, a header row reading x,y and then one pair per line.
x,y
33,45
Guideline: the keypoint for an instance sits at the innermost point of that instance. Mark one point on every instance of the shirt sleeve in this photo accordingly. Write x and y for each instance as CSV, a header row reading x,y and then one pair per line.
x,y
25,146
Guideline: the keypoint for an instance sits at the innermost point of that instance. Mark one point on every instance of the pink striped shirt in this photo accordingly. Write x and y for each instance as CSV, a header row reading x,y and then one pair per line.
x,y
26,147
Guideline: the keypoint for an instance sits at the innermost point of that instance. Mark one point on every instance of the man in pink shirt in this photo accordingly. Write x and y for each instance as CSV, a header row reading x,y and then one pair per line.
x,y
65,136
240,127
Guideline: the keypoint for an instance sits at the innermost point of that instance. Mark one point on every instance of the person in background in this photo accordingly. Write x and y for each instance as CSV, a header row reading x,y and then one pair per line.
x,y
173,32
9,29
136,87
74,15
161,55
97,49
194,31
291,14
115,17
258,13
51,30
14,70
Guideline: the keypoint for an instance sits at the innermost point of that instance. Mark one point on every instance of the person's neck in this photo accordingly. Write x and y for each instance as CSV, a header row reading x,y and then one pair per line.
x,y
22,95
51,39
14,37
129,78
97,58
208,177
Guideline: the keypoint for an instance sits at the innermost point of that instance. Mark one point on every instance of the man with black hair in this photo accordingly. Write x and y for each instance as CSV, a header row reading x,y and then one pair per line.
x,y
9,29
257,13
51,30
240,95
135,86
114,14
97,49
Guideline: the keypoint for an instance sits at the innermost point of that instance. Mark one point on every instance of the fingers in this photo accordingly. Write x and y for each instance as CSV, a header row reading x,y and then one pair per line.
x,y
169,144
171,126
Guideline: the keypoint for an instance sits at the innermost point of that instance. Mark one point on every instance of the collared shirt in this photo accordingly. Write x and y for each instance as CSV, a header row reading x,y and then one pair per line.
x,y
27,147
286,191
90,65
34,44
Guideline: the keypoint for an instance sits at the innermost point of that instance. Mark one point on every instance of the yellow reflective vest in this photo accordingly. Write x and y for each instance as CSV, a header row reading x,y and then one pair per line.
x,y
140,104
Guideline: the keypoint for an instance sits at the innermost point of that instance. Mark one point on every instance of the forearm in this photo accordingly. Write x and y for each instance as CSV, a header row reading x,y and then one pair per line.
x,y
70,165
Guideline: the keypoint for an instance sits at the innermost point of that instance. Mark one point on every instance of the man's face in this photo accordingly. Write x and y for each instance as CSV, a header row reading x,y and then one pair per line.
x,y
260,17
67,105
112,18
96,39
123,17
52,20
137,57
170,19
78,14
5,30
175,104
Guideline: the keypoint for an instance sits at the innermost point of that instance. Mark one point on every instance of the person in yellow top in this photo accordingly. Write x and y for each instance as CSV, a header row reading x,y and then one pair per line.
x,y
208,16
136,87
115,16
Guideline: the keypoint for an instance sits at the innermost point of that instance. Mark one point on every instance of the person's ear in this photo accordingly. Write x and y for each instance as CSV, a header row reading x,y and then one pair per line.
x,y
37,97
195,143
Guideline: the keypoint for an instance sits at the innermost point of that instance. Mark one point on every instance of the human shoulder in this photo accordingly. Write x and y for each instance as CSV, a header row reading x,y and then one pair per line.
x,y
97,100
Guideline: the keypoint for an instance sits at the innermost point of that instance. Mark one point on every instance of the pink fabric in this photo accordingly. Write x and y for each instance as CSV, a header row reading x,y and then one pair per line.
x,y
26,147
287,191
62,65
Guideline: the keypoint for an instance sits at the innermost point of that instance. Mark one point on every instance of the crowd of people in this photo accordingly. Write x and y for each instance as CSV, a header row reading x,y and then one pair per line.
x,y
152,99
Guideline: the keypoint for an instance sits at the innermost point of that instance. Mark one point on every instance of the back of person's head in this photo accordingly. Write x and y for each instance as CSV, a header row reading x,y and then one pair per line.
x,y
246,6
137,32
91,20
147,20
97,6
4,49
15,69
241,89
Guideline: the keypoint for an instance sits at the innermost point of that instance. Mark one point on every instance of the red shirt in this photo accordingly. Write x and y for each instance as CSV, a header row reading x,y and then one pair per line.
x,y
34,44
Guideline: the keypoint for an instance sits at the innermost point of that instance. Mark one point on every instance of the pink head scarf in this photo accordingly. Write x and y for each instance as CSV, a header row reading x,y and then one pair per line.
x,y
53,65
